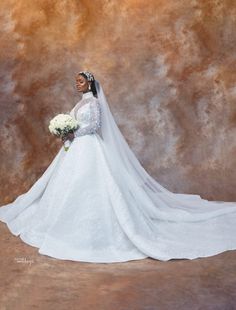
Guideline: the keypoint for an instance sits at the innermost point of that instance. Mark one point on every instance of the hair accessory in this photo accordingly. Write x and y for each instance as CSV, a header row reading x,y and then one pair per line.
x,y
89,75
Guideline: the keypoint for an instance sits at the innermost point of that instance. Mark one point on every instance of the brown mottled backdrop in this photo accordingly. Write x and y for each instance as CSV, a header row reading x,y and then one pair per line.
x,y
168,69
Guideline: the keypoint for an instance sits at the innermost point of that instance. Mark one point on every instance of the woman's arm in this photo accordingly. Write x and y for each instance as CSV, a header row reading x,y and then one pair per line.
x,y
94,121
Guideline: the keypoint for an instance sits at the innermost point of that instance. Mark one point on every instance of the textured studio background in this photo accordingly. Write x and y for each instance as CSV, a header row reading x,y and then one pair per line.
x,y
168,69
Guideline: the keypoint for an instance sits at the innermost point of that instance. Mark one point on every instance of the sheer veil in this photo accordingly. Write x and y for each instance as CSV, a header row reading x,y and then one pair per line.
x,y
135,184
118,151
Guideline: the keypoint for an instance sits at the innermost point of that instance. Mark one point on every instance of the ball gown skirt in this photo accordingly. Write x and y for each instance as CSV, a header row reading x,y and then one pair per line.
x,y
78,211
75,211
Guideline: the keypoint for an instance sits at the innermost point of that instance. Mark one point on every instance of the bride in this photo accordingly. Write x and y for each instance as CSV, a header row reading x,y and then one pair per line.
x,y
96,203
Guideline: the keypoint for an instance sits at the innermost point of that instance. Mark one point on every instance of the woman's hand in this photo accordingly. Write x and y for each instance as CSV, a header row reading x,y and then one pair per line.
x,y
70,136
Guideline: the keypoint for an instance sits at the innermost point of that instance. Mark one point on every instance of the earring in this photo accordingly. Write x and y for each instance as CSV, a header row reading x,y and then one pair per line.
x,y
89,87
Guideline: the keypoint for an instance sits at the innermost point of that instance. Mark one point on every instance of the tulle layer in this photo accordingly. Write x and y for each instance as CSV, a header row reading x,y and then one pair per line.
x,y
80,210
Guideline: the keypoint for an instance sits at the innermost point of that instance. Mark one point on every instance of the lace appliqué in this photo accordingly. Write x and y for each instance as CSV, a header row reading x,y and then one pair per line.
x,y
89,116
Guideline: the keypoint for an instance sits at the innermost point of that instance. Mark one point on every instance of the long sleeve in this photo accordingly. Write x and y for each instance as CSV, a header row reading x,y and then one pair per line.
x,y
93,120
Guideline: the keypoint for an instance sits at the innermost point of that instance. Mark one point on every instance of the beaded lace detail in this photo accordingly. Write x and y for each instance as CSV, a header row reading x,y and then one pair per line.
x,y
88,113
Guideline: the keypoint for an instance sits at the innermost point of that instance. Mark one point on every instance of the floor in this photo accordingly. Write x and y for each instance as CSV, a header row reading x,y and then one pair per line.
x,y
29,280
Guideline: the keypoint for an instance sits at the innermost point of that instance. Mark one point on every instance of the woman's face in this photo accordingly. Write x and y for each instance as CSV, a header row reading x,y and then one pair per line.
x,y
82,83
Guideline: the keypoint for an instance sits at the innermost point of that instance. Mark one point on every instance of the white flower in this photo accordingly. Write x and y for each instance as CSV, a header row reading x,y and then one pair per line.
x,y
61,124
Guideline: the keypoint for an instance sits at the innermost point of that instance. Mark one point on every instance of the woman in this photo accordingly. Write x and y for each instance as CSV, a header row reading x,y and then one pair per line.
x,y
96,203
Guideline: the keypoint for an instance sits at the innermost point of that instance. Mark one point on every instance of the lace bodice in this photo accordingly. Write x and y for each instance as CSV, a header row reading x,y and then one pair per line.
x,y
88,112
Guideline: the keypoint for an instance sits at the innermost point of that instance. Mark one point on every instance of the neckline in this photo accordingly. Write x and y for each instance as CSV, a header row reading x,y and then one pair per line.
x,y
89,94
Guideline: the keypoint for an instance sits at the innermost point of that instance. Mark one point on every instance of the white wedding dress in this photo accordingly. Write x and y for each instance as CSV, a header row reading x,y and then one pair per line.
x,y
78,210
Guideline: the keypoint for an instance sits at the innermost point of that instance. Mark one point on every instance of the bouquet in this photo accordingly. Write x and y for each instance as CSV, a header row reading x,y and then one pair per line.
x,y
61,125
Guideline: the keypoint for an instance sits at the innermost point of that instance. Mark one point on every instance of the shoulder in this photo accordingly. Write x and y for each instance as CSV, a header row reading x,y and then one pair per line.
x,y
95,105
95,101
90,99
91,102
